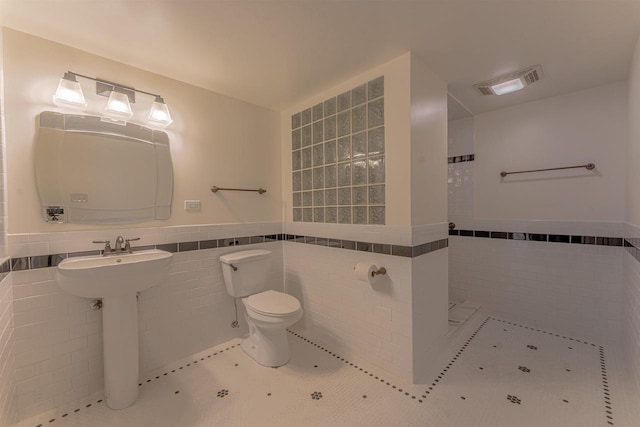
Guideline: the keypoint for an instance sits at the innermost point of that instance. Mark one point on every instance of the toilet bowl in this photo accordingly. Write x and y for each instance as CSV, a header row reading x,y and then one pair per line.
x,y
268,313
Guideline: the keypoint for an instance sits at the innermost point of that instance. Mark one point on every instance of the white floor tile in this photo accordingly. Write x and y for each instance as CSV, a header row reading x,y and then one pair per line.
x,y
497,374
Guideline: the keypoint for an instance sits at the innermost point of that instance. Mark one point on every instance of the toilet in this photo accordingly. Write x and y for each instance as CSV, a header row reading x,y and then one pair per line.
x,y
269,313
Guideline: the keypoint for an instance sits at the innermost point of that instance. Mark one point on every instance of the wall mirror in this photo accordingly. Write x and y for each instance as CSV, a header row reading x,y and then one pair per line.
x,y
99,172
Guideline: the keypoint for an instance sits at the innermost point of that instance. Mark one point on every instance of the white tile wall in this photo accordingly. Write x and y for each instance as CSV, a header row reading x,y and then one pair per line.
x,y
571,289
29,244
631,312
57,339
460,191
394,235
429,310
353,317
6,353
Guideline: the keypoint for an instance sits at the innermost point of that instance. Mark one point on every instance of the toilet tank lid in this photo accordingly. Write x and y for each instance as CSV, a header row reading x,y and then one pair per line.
x,y
242,256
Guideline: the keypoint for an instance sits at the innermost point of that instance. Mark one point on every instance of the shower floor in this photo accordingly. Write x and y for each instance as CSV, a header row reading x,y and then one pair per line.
x,y
496,373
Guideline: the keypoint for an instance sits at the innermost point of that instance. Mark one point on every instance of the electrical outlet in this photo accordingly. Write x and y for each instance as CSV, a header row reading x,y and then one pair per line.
x,y
192,205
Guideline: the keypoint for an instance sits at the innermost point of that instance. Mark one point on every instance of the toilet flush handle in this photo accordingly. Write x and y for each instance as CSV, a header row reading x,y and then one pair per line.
x,y
233,267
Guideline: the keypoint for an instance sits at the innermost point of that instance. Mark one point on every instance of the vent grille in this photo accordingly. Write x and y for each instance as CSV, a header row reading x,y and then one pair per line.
x,y
527,76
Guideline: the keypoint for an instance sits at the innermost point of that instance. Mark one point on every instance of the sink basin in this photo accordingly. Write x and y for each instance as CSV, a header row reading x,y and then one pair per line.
x,y
113,275
116,279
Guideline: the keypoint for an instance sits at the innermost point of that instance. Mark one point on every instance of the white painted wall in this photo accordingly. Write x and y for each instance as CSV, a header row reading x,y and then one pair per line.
x,y
572,129
428,160
211,137
460,137
7,406
631,290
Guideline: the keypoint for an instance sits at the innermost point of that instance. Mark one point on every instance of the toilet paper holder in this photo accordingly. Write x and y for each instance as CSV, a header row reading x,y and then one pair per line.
x,y
381,271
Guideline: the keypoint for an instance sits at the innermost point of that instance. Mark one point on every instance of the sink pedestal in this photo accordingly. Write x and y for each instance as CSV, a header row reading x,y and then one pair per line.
x,y
116,279
120,343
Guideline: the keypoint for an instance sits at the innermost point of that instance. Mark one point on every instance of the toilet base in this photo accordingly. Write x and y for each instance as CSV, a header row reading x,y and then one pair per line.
x,y
268,347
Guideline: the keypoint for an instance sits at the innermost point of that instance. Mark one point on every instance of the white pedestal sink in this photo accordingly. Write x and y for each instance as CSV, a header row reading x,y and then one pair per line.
x,y
116,279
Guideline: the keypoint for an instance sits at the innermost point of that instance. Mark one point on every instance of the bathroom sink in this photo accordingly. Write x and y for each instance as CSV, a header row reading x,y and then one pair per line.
x,y
116,279
113,275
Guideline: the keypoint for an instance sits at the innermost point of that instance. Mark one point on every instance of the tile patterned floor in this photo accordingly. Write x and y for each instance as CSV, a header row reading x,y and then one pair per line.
x,y
496,373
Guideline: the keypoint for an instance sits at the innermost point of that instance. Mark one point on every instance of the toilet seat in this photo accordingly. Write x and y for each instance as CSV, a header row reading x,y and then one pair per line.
x,y
273,304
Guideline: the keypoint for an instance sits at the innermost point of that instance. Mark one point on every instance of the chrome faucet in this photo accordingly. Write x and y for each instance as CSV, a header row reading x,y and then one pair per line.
x,y
118,249
119,242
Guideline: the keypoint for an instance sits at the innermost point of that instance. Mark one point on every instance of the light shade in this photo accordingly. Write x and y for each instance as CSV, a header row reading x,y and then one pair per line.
x,y
160,112
507,87
69,92
118,105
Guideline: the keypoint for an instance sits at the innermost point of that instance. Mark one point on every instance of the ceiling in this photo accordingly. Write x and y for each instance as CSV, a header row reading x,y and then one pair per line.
x,y
278,53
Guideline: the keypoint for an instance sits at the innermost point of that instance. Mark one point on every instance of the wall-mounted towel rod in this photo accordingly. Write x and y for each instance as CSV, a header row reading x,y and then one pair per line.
x,y
215,189
588,166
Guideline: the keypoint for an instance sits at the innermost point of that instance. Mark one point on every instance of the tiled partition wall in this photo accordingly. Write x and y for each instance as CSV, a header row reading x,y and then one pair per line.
x,y
338,158
375,321
58,338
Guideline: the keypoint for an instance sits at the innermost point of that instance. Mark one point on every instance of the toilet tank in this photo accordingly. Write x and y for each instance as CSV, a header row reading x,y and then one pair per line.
x,y
245,272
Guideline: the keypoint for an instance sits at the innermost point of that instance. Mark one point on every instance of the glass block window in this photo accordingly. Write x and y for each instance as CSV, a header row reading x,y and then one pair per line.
x,y
338,158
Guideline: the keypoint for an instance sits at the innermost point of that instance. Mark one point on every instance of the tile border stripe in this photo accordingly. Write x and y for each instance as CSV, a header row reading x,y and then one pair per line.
x,y
632,245
460,159
538,237
52,260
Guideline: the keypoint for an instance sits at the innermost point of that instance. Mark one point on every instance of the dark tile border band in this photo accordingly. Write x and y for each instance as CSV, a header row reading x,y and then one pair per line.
x,y
52,260
632,245
537,237
460,159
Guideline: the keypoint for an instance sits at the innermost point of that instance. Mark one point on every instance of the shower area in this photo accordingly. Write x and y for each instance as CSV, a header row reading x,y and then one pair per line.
x,y
542,248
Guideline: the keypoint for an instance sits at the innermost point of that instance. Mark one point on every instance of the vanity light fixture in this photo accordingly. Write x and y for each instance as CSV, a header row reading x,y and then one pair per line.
x,y
69,91
118,105
121,97
160,112
511,82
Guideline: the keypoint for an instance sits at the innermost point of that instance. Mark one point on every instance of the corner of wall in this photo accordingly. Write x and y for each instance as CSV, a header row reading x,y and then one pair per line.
x,y
428,145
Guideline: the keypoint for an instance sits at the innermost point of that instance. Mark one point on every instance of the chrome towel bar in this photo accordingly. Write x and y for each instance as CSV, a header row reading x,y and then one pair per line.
x,y
588,166
215,189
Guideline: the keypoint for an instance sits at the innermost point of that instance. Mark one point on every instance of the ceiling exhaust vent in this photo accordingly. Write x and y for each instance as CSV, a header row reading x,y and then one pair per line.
x,y
510,82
